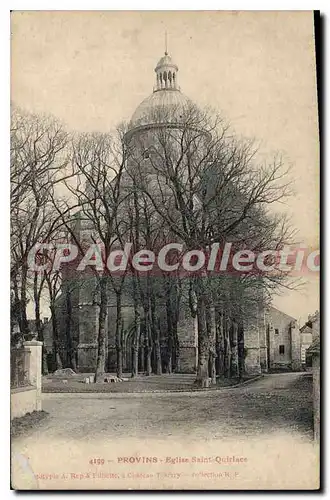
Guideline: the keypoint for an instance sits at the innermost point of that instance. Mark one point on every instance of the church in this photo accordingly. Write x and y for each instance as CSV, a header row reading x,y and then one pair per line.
x,y
271,342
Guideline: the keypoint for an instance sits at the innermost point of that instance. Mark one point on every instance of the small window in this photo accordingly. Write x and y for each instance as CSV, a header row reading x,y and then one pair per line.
x,y
276,331
281,349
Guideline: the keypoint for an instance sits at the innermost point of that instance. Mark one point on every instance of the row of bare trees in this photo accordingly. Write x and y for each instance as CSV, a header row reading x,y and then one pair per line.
x,y
192,182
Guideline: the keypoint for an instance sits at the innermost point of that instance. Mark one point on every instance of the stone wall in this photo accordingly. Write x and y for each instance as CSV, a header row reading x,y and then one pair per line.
x,y
23,400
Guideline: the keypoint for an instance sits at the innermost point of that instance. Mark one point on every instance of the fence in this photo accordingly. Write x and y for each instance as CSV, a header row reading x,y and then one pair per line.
x,y
19,367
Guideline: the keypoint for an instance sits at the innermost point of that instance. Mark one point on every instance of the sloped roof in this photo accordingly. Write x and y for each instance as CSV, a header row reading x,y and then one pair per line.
x,y
283,313
306,328
314,348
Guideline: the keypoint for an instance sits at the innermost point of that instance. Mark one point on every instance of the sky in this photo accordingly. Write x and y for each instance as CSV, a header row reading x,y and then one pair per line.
x,y
92,69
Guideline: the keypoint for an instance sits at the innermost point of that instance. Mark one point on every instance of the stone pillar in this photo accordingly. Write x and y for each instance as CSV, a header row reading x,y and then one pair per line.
x,y
295,347
35,348
263,339
251,347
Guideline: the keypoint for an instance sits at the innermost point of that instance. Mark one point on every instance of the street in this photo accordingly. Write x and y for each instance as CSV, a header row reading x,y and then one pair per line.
x,y
279,402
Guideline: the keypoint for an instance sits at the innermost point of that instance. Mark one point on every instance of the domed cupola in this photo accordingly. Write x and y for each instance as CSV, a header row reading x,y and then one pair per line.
x,y
167,104
166,71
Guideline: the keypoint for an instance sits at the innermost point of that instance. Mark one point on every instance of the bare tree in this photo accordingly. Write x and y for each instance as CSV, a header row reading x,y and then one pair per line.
x,y
207,186
98,162
38,158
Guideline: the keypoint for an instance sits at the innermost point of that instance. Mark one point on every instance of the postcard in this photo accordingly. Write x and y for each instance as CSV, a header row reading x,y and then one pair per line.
x,y
165,325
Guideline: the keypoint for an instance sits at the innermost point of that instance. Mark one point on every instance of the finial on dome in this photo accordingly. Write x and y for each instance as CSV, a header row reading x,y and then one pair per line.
x,y
166,53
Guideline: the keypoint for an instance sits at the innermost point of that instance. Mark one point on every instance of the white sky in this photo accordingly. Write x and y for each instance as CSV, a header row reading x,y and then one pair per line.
x,y
92,69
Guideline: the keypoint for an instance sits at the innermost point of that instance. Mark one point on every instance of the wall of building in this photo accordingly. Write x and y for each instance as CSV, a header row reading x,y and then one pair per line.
x,y
252,364
284,341
306,339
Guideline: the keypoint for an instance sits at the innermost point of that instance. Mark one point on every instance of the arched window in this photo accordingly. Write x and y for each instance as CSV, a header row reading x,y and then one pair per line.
x,y
165,76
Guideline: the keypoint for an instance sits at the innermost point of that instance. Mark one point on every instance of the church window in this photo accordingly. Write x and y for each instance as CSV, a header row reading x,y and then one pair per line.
x,y
276,331
281,349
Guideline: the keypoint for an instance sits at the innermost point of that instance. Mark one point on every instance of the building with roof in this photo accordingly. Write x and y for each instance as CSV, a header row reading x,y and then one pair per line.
x,y
283,341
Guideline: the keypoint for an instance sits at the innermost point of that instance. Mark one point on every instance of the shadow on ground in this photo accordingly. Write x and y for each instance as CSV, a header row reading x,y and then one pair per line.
x,y
280,403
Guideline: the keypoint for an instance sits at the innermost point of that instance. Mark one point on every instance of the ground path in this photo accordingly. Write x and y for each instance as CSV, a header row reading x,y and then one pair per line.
x,y
269,421
272,403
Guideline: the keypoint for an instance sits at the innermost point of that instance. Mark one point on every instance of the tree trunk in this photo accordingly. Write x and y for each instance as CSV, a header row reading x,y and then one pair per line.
x,y
211,332
156,335
176,349
175,320
57,355
142,357
137,331
44,360
203,343
169,353
36,298
101,341
227,356
220,343
15,313
69,340
24,321
135,347
147,340
240,351
212,369
39,324
119,336
234,351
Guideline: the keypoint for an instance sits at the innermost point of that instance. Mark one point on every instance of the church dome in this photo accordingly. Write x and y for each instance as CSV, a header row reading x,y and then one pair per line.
x,y
162,105
167,103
